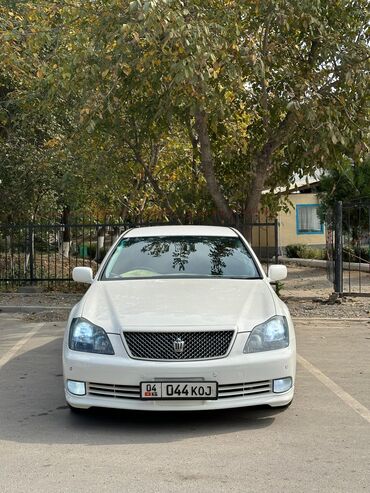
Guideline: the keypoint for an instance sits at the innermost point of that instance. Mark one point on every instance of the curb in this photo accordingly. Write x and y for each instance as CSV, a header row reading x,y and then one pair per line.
x,y
33,309
322,264
330,319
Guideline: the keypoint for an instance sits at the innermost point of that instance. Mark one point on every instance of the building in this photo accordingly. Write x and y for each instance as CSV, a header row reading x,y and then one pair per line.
x,y
301,224
298,224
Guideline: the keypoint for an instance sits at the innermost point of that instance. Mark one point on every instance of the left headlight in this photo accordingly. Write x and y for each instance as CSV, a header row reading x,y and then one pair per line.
x,y
272,334
89,338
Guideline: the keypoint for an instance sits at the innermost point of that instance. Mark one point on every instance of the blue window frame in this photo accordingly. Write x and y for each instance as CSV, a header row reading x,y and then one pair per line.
x,y
307,220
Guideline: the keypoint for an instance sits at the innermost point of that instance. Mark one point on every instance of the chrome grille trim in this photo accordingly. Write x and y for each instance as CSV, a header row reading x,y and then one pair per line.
x,y
198,345
244,389
226,391
117,391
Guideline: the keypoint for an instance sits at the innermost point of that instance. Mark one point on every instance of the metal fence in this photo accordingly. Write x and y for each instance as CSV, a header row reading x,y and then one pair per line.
x,y
348,238
46,253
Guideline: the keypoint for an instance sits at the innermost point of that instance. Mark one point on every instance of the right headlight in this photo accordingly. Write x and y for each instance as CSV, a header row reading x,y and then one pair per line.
x,y
272,334
89,338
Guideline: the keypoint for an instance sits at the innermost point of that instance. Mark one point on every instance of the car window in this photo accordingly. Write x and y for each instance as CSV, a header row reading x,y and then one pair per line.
x,y
197,256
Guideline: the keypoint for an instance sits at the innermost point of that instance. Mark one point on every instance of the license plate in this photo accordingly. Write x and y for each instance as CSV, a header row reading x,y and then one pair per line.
x,y
179,390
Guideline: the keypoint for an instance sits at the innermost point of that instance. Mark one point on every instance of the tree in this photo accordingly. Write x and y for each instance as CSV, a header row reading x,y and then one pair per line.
x,y
349,182
233,97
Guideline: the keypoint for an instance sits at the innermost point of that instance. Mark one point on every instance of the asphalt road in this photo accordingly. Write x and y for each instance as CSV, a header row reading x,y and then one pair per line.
x,y
320,444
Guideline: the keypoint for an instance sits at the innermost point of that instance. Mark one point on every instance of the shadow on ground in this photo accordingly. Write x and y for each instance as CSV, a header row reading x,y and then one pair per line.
x,y
33,410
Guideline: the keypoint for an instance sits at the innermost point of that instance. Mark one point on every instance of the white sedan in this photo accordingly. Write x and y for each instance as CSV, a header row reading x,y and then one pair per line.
x,y
179,318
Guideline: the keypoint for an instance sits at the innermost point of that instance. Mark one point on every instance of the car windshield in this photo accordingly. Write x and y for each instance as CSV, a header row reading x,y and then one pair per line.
x,y
180,256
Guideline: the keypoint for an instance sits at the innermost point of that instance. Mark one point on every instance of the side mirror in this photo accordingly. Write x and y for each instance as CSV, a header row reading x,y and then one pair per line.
x,y
83,274
277,272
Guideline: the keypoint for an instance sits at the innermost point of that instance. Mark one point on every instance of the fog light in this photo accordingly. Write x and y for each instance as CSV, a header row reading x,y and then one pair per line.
x,y
282,384
77,388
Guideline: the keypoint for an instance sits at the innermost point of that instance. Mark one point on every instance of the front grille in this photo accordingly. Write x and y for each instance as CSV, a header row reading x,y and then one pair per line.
x,y
189,345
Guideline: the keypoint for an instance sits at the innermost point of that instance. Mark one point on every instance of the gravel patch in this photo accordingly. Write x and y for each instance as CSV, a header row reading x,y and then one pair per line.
x,y
346,308
43,299
47,316
64,302
306,291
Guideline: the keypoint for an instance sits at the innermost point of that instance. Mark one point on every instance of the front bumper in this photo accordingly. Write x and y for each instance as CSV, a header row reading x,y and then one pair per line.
x,y
114,381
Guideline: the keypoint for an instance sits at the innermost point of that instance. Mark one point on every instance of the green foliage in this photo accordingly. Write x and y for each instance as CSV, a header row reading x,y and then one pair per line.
x,y
350,180
356,254
304,251
278,287
99,98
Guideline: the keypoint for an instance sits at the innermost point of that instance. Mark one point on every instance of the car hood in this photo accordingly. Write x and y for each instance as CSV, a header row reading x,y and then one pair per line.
x,y
149,304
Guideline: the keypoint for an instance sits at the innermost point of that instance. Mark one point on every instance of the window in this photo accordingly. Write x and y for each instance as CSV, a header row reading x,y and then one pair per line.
x,y
308,221
194,256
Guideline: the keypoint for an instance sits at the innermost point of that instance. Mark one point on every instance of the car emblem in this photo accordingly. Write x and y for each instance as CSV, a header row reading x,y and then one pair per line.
x,y
178,345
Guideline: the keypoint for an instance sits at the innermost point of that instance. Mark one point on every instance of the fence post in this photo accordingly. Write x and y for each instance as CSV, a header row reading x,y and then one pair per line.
x,y
31,249
276,233
338,251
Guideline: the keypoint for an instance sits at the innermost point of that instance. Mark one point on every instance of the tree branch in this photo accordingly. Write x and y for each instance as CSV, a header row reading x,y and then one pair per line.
x,y
207,163
266,119
194,144
262,166
151,178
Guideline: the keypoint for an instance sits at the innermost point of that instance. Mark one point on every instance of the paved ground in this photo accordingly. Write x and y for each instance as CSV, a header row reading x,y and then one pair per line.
x,y
320,444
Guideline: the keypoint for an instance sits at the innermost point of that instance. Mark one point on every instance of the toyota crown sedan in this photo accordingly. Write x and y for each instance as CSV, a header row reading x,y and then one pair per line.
x,y
179,318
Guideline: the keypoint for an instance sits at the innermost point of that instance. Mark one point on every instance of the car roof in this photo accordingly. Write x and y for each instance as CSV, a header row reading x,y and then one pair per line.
x,y
180,231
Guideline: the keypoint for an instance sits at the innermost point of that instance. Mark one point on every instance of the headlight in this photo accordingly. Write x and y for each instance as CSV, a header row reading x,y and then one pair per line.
x,y
272,334
89,338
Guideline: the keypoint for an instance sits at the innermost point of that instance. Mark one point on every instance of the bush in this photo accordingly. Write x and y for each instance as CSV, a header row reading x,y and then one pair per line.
x,y
91,251
294,251
304,251
356,254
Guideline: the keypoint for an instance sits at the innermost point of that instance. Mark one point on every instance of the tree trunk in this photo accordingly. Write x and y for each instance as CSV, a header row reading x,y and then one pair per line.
x,y
195,149
9,251
208,168
9,245
100,244
66,238
30,251
252,204
116,233
262,167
